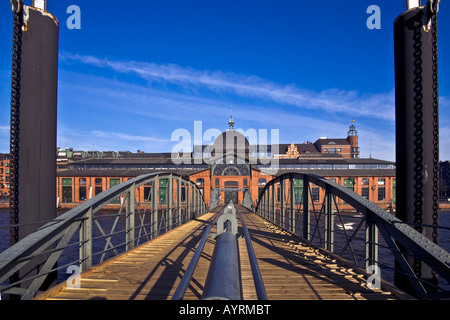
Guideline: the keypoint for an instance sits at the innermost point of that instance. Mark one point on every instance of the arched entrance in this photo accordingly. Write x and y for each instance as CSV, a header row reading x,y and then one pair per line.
x,y
231,195
231,191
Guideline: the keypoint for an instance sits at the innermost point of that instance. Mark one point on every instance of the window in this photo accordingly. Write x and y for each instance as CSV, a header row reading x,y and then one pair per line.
x,y
381,193
393,190
67,182
262,182
98,190
67,194
381,181
217,182
82,193
332,150
98,186
349,184
298,190
113,182
260,190
200,181
82,181
245,182
364,181
147,193
315,194
183,193
365,192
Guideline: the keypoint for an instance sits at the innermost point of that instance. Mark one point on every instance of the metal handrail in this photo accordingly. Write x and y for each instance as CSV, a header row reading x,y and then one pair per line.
x,y
184,284
257,278
81,218
223,281
377,220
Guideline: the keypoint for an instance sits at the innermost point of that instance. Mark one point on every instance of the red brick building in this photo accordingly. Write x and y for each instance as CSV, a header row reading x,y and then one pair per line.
x,y
4,175
231,163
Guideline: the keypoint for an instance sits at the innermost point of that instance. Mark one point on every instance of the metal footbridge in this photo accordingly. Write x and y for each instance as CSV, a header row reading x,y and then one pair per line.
x,y
285,248
288,244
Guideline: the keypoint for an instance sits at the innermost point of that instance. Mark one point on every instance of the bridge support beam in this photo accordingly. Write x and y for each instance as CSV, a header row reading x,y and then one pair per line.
x,y
329,220
306,215
292,219
154,212
130,218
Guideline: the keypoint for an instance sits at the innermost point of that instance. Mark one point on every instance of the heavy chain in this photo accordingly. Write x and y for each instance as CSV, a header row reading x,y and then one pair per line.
x,y
418,138
434,8
431,18
17,7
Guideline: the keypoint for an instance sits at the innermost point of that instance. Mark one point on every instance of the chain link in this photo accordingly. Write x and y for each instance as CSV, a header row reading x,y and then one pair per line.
x,y
418,138
435,121
17,7
418,127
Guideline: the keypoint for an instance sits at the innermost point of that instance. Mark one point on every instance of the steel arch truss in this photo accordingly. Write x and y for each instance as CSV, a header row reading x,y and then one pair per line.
x,y
309,206
170,201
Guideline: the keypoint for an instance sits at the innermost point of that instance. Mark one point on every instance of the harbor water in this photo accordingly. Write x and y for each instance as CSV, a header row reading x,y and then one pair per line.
x,y
348,222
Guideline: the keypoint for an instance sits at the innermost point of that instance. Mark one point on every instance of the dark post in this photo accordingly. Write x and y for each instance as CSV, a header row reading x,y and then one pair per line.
x,y
33,117
416,112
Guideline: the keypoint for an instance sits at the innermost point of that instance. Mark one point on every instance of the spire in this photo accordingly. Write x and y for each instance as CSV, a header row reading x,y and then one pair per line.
x,y
352,130
231,121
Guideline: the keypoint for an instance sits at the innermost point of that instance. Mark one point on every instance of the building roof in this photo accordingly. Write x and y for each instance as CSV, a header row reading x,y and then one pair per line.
x,y
342,173
302,148
120,173
231,140
330,142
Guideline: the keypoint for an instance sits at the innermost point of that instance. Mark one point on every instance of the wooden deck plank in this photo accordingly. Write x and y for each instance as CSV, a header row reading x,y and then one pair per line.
x,y
290,269
293,270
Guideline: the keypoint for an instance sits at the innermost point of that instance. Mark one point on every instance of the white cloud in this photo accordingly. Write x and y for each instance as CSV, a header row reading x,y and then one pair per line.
x,y
178,96
331,100
124,136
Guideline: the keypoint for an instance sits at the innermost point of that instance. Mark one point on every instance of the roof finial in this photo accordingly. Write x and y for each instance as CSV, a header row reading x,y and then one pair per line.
x,y
231,121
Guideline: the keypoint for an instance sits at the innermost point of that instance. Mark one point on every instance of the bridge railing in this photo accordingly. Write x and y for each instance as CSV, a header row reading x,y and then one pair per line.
x,y
90,233
341,222
248,200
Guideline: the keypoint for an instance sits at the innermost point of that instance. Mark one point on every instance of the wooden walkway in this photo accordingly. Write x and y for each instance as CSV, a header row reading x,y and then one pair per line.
x,y
152,271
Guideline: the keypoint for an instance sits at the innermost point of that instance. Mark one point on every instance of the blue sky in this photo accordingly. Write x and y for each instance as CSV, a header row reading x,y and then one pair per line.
x,y
137,71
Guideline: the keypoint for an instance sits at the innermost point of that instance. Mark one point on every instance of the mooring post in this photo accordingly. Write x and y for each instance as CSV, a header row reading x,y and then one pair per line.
x,y
417,129
34,83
